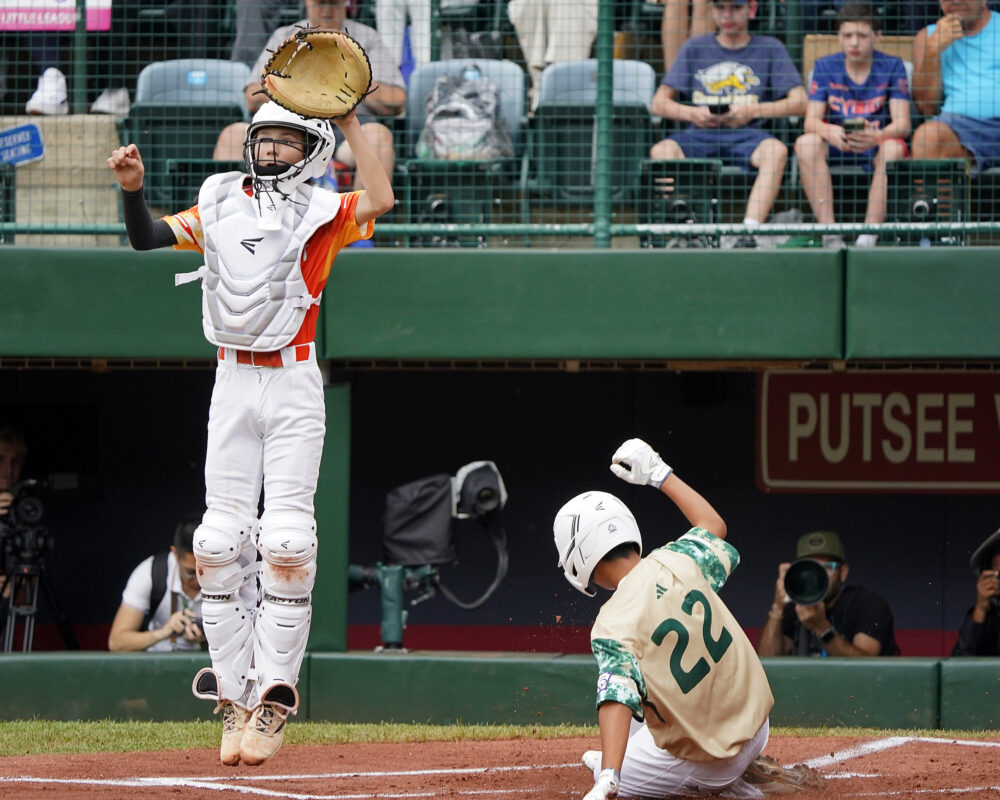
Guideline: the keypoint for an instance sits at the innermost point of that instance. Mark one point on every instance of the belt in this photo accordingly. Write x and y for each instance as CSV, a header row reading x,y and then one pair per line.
x,y
286,357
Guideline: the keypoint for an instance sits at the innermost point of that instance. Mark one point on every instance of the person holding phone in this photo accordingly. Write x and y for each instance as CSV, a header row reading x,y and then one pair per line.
x,y
731,83
858,114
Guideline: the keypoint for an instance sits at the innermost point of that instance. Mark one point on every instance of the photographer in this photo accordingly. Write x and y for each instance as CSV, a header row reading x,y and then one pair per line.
x,y
161,604
980,631
13,451
847,621
12,454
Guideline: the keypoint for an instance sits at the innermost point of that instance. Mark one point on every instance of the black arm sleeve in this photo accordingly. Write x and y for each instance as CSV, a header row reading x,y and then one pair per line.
x,y
144,233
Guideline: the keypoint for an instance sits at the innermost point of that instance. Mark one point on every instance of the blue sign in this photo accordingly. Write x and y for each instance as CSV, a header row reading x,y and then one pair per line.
x,y
21,145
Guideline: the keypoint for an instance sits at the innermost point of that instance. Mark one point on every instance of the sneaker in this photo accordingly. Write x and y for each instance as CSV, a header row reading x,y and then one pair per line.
x,y
770,777
112,101
234,721
263,734
737,242
866,240
592,760
50,98
832,241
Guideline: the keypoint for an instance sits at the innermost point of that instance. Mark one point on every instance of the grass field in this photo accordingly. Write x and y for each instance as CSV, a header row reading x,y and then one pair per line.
x,y
24,737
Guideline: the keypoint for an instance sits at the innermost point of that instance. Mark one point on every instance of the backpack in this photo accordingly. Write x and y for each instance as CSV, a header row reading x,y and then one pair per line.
x,y
463,121
159,587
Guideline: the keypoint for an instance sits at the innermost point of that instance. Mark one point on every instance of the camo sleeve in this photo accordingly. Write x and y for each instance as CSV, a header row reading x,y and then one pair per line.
x,y
715,557
620,679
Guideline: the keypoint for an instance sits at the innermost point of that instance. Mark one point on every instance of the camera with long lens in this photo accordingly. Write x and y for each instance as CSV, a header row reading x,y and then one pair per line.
x,y
806,582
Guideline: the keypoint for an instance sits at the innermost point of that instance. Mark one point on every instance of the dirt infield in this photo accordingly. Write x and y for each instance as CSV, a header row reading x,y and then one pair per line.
x,y
906,768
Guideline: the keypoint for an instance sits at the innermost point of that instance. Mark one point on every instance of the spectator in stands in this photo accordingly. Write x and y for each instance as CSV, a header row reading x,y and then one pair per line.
x,y
734,81
868,88
112,66
552,30
676,27
387,100
161,605
849,621
255,19
956,71
980,631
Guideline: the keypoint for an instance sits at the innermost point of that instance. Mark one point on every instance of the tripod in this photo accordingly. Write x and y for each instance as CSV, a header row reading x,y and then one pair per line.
x,y
24,579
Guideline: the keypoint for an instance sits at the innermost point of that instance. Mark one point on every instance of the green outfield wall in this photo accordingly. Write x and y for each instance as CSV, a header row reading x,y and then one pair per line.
x,y
501,688
881,303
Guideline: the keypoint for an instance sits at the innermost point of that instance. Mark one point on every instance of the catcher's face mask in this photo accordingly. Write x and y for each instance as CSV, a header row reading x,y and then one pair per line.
x,y
274,135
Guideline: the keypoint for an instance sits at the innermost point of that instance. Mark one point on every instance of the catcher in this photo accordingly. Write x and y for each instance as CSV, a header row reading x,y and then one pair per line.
x,y
269,241
682,698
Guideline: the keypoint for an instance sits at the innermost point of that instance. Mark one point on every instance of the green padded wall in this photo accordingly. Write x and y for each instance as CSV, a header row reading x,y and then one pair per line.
x,y
868,692
101,303
970,693
93,686
585,304
924,302
438,688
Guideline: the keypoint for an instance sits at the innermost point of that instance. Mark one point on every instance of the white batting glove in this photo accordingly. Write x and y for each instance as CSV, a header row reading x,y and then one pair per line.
x,y
606,785
638,463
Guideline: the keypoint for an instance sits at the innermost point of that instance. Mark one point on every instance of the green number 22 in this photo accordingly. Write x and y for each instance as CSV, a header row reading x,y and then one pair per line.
x,y
688,679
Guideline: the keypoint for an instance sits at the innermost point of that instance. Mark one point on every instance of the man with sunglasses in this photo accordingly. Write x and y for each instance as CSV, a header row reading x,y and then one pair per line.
x,y
161,605
848,621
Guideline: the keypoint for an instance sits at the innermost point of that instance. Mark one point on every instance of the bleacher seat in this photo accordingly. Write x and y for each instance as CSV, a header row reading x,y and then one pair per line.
x,y
562,136
180,107
438,191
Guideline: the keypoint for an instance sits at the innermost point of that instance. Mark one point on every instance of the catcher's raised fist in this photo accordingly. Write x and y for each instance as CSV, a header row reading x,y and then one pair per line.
x,y
636,462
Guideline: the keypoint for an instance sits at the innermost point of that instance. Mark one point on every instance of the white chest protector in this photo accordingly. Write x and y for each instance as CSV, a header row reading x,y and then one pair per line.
x,y
253,294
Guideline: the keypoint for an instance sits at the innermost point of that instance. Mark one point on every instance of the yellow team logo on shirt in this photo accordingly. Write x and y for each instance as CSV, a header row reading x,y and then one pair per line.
x,y
727,77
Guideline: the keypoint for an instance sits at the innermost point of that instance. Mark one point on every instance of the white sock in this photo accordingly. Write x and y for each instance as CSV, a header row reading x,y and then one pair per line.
x,y
866,239
750,222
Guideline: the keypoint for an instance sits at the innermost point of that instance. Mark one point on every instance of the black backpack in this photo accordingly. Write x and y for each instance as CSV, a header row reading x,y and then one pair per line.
x,y
159,587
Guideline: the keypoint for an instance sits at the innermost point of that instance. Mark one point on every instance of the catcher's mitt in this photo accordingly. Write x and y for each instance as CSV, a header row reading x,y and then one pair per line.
x,y
318,73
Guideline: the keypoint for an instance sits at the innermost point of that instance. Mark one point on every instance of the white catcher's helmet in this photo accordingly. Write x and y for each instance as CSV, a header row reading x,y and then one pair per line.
x,y
273,188
586,529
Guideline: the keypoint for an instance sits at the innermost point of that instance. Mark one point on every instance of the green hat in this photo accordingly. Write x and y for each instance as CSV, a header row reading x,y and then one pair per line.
x,y
821,543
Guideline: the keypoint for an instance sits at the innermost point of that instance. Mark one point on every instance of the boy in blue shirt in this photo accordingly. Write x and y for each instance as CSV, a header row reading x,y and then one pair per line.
x,y
732,81
864,88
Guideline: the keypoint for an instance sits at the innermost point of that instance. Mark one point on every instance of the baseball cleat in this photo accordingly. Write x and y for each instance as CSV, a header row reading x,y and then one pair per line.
x,y
234,722
770,777
592,760
263,734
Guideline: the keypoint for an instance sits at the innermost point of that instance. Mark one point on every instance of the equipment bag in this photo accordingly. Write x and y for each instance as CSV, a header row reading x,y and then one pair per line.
x,y
463,121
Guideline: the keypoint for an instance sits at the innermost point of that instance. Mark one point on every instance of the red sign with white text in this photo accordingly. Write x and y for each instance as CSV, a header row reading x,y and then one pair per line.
x,y
933,432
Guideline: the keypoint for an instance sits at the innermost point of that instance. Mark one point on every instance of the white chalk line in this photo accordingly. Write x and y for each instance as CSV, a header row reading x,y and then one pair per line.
x,y
878,745
217,783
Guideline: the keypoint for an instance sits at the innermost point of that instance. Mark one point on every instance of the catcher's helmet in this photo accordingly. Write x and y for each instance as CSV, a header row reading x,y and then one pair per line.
x,y
586,529
320,144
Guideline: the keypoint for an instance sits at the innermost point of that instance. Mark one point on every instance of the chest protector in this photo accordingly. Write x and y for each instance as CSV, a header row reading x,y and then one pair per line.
x,y
253,294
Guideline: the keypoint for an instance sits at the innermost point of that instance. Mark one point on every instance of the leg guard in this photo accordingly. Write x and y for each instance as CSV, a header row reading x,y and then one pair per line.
x,y
287,542
224,552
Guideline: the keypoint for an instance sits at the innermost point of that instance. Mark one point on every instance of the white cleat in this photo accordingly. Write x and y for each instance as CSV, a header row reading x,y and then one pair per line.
x,y
234,722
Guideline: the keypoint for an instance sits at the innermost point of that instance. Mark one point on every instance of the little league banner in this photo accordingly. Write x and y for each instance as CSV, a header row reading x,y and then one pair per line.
x,y
52,15
929,432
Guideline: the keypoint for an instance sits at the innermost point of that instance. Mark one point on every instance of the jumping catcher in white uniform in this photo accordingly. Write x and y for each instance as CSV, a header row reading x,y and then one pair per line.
x,y
269,240
682,698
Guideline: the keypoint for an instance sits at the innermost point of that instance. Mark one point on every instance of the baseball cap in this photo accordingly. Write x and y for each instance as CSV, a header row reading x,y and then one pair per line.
x,y
821,543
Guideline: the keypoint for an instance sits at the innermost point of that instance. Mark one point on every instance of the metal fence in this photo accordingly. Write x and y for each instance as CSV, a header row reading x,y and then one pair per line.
x,y
573,82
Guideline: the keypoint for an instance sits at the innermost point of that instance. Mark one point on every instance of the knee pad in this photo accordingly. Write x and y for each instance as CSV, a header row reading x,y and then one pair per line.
x,y
287,542
220,538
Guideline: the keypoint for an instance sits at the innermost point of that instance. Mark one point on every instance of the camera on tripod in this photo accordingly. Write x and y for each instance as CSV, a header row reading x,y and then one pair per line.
x,y
23,539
